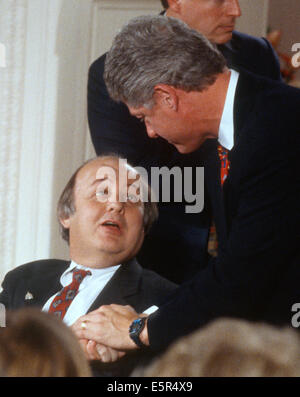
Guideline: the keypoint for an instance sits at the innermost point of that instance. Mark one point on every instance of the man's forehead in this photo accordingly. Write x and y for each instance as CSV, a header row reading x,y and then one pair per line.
x,y
101,169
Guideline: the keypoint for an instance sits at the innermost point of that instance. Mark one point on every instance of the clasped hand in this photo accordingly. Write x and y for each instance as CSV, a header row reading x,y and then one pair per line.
x,y
103,333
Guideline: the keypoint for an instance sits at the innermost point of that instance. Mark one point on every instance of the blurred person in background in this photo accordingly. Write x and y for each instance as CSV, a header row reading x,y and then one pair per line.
x,y
37,344
228,347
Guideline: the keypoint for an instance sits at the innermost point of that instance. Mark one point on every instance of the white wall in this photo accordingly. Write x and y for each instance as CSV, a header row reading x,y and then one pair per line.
x,y
285,16
254,17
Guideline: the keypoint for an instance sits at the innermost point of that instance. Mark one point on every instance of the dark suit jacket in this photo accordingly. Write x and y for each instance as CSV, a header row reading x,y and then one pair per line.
x,y
256,55
112,129
257,215
130,285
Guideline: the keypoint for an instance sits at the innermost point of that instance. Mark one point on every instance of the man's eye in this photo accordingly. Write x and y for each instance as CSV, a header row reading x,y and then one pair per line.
x,y
101,193
133,198
141,119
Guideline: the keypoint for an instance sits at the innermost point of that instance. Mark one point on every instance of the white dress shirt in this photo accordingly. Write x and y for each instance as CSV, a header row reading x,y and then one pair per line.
x,y
89,289
226,129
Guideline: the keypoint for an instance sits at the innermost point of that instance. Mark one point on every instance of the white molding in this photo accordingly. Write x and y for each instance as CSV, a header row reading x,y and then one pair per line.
x,y
110,15
129,4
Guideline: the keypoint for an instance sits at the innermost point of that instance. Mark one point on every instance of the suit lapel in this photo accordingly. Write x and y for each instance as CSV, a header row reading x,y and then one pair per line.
x,y
218,194
122,287
243,102
234,53
214,188
243,116
40,290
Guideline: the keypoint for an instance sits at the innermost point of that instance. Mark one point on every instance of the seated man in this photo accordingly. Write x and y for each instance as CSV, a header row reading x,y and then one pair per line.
x,y
104,235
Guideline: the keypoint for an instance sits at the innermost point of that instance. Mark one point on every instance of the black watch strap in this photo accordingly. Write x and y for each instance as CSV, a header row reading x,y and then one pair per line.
x,y
135,330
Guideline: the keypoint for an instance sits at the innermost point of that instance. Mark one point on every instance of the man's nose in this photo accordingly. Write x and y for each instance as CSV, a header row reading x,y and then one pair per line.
x,y
233,8
150,131
115,206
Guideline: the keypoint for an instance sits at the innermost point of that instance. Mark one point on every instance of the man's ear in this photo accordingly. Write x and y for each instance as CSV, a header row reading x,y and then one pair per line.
x,y
65,222
166,96
175,5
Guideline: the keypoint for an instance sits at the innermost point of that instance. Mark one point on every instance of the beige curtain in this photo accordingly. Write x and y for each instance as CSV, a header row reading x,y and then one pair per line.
x,y
12,36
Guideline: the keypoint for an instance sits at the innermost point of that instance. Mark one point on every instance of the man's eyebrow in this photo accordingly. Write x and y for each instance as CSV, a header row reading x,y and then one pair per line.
x,y
98,180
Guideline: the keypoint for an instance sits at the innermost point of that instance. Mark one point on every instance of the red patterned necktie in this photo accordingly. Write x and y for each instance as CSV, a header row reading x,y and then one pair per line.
x,y
224,169
64,298
224,166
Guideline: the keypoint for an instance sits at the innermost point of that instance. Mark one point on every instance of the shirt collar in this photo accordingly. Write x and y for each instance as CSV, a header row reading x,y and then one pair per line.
x,y
95,272
226,129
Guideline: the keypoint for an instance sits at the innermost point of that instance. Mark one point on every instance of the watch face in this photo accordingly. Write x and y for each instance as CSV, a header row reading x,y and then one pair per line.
x,y
135,329
135,326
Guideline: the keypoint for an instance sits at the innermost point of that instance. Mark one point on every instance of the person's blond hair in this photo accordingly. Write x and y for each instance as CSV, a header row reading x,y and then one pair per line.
x,y
38,344
229,347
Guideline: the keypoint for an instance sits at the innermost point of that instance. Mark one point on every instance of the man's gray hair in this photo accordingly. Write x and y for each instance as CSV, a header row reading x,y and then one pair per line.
x,y
153,50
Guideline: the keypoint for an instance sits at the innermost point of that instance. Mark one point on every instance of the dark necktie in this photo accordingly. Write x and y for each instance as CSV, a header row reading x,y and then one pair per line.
x,y
212,247
64,298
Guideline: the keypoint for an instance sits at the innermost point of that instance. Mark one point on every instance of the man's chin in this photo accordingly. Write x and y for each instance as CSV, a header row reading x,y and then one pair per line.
x,y
183,150
223,38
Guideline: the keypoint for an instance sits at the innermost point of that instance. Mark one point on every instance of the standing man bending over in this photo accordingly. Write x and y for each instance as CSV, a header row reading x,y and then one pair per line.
x,y
248,131
113,129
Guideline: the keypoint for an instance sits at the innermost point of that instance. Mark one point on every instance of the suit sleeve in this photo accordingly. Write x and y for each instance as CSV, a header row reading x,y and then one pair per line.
x,y
114,130
263,239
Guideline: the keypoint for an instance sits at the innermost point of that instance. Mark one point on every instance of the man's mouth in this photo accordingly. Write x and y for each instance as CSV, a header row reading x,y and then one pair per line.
x,y
228,27
112,225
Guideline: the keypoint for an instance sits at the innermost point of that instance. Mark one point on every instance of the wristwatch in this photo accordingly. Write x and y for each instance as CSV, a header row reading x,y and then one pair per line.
x,y
135,330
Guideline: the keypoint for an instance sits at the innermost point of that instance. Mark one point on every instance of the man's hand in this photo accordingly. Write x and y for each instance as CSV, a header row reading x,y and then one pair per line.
x,y
95,351
108,326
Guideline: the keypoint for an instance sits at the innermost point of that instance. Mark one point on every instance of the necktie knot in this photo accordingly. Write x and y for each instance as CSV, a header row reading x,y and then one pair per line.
x,y
79,275
64,298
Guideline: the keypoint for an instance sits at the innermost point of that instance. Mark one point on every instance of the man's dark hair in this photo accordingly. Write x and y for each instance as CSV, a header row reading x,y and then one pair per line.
x,y
165,3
